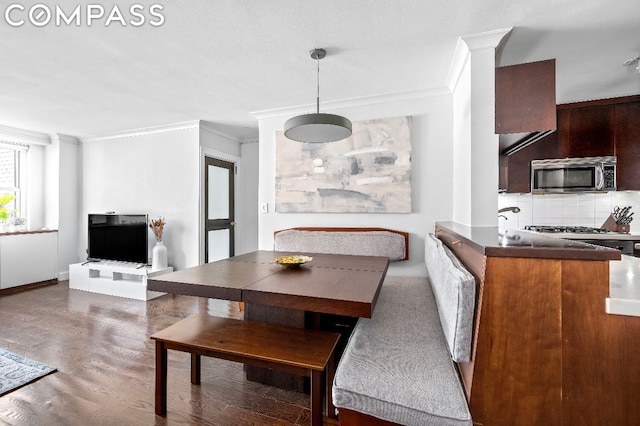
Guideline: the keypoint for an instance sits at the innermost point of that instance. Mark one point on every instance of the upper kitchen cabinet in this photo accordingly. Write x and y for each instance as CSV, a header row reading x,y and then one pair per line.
x,y
584,129
592,131
515,158
627,144
526,97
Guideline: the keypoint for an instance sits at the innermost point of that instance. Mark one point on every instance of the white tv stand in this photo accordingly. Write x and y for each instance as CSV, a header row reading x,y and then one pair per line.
x,y
114,278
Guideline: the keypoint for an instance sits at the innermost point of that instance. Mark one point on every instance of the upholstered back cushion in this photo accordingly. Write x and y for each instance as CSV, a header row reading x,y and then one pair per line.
x,y
454,289
358,243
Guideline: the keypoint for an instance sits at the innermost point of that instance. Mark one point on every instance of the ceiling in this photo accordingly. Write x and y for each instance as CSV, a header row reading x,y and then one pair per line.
x,y
218,61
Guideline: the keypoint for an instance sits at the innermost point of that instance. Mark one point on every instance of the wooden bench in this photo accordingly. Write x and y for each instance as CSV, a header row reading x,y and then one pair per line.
x,y
294,350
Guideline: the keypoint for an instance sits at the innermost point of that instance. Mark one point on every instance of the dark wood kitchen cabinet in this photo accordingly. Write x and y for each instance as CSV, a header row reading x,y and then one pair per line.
x,y
592,131
526,97
584,129
627,145
515,169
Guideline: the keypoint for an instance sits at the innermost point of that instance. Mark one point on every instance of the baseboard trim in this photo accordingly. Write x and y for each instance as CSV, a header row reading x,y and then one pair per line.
x,y
20,288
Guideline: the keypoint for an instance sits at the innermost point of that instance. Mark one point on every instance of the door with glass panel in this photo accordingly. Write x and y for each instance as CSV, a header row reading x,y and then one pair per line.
x,y
219,209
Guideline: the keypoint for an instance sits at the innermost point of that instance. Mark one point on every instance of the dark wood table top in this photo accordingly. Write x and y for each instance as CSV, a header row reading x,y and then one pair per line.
x,y
330,283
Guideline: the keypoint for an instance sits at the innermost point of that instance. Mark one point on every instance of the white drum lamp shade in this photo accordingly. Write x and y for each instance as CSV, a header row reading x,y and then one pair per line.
x,y
317,127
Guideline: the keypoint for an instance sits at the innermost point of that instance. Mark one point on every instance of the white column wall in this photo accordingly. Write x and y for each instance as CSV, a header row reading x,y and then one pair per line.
x,y
247,206
62,197
462,144
476,144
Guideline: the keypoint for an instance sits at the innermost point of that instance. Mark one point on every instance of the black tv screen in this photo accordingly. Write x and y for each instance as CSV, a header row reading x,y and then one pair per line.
x,y
121,237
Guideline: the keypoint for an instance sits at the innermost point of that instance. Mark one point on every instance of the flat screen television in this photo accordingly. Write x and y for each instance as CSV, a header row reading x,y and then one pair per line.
x,y
120,237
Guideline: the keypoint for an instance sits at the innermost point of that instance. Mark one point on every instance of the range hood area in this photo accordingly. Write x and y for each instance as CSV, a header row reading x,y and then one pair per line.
x,y
514,142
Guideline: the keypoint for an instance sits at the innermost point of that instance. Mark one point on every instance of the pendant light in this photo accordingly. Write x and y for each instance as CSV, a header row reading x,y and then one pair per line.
x,y
317,127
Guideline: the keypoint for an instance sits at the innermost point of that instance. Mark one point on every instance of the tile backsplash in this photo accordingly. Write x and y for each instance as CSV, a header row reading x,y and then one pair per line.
x,y
583,209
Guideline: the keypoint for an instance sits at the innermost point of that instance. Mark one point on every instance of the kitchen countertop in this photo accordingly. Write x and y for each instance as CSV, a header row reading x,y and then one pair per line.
x,y
498,242
616,236
624,271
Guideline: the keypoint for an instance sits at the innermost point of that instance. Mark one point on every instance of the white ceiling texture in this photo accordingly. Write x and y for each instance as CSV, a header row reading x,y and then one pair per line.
x,y
220,60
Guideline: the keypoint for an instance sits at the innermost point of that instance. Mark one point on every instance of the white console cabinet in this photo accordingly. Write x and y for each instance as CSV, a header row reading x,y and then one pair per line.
x,y
114,278
28,257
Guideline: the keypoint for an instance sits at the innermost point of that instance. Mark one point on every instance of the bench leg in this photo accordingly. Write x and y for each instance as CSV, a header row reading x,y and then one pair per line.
x,y
161,378
195,368
330,370
316,398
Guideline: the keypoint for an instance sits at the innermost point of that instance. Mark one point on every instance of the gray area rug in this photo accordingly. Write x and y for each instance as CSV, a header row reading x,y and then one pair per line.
x,y
17,371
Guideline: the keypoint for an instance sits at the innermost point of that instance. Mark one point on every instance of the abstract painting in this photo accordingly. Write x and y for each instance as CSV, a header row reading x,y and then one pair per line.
x,y
369,172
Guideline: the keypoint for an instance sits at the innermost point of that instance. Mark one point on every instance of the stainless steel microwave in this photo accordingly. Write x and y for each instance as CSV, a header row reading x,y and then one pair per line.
x,y
588,174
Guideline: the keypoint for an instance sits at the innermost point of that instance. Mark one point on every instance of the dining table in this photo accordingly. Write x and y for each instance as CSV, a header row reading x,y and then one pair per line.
x,y
330,292
327,284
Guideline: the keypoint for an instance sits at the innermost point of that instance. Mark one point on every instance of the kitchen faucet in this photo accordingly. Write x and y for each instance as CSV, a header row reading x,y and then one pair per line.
x,y
509,209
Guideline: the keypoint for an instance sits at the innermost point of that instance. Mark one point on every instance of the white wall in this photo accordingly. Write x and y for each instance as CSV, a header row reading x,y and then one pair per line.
x,y
155,172
432,184
476,144
36,205
247,198
52,183
462,143
62,197
159,172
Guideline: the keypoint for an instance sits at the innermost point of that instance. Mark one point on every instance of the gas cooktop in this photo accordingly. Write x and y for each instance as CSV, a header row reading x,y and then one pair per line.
x,y
566,229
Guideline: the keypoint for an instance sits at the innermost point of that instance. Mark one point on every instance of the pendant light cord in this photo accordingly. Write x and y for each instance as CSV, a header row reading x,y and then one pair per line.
x,y
318,86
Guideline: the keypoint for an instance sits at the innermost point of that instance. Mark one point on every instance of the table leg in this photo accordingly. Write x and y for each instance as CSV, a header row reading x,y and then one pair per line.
x,y
196,363
330,372
316,398
161,378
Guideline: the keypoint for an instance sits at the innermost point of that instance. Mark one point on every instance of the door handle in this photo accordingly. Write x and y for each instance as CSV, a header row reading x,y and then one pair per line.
x,y
599,178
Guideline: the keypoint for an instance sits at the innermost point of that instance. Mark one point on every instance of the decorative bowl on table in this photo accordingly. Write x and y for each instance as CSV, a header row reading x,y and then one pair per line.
x,y
293,261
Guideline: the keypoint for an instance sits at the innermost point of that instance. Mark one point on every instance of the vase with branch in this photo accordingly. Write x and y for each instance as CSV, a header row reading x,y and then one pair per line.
x,y
159,252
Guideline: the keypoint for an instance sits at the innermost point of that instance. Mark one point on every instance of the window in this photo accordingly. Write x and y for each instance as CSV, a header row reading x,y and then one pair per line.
x,y
10,177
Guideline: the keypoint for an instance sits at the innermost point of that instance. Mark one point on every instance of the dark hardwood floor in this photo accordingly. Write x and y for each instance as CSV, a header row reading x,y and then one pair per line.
x,y
106,368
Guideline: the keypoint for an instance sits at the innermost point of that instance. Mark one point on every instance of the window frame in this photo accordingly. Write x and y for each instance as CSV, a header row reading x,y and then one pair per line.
x,y
19,179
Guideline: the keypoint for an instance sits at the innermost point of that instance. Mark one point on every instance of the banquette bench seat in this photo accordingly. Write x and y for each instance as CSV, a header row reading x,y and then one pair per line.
x,y
398,366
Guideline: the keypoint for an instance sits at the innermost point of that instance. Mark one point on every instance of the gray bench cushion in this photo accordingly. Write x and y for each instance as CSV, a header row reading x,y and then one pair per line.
x,y
365,243
455,291
397,365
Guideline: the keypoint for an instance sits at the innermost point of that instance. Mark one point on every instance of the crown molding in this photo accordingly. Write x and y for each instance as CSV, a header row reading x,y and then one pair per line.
x,y
214,153
187,125
73,140
466,45
486,40
204,125
23,137
459,60
351,103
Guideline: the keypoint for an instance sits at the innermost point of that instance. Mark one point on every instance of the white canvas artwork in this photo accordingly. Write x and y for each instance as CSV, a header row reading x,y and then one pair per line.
x,y
369,172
